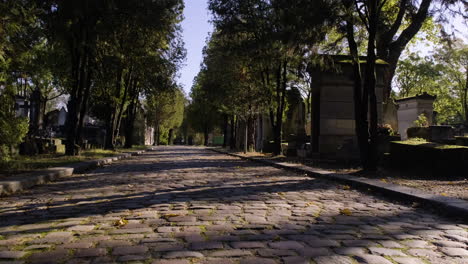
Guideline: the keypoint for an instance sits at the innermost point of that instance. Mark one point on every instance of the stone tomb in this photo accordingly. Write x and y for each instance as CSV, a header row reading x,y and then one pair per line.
x,y
333,123
409,109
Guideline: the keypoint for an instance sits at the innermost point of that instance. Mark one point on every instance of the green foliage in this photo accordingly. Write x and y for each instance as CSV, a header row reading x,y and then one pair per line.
x,y
165,111
12,128
442,74
421,121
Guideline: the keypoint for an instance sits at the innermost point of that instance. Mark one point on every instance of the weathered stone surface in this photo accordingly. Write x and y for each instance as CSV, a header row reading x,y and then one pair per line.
x,y
386,251
296,260
90,252
12,254
248,244
455,252
183,254
333,260
407,260
372,259
230,253
129,250
256,260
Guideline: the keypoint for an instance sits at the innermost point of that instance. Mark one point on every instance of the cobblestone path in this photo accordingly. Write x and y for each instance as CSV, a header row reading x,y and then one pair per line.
x,y
189,205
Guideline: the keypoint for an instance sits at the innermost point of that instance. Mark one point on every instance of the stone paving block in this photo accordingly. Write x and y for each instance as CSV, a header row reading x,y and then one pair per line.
x,y
165,246
417,244
78,245
386,251
171,261
90,252
218,261
206,245
314,252
183,254
390,244
407,260
129,250
54,256
276,252
114,243
248,244
452,244
257,260
81,228
286,245
333,260
132,231
230,253
423,252
133,258
12,254
371,259
455,252
296,260
322,243
351,251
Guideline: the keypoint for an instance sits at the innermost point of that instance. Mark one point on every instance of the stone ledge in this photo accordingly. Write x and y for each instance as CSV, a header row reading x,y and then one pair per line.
x,y
448,206
25,181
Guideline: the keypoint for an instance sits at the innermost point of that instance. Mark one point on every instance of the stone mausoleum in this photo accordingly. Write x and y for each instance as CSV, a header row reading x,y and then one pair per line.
x,y
410,108
333,123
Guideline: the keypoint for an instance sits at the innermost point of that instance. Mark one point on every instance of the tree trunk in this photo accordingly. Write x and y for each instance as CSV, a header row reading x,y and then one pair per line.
x,y
158,135
370,83
281,83
225,130
109,144
360,112
389,49
205,135
232,143
171,134
130,124
251,133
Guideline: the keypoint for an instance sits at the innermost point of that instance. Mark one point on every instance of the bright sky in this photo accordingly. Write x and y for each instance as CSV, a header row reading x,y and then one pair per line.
x,y
196,27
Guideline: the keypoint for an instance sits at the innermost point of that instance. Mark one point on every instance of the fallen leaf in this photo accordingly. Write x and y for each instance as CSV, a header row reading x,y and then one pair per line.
x,y
346,187
170,215
444,194
345,211
121,222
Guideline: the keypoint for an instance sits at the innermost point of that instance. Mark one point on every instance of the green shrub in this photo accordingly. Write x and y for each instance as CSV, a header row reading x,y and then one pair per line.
x,y
421,121
13,129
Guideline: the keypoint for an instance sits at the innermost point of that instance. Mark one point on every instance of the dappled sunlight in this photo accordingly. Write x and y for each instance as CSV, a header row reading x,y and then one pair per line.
x,y
210,207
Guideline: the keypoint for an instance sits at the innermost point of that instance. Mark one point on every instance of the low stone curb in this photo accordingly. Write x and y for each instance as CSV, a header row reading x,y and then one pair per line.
x,y
448,206
25,181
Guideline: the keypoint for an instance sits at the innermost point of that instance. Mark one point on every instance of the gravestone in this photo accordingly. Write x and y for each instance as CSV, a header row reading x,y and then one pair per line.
x,y
441,134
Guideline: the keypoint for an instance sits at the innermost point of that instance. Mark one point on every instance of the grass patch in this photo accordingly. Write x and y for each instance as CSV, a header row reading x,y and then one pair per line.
x,y
426,144
22,164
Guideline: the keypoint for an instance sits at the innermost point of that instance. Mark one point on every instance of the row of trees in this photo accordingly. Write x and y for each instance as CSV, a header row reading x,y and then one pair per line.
x,y
106,56
259,48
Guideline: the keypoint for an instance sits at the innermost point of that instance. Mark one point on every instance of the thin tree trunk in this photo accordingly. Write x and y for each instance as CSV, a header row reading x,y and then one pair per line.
x,y
360,113
370,83
225,130
206,135
232,143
